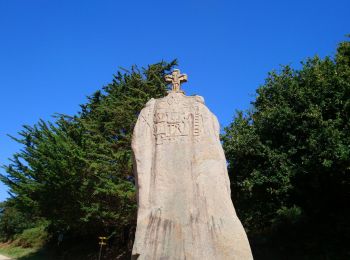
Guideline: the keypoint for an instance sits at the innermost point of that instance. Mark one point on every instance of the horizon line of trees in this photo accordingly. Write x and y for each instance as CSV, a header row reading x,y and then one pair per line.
x,y
288,159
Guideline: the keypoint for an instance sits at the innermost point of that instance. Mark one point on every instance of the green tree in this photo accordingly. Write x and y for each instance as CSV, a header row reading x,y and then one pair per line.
x,y
289,156
13,221
76,171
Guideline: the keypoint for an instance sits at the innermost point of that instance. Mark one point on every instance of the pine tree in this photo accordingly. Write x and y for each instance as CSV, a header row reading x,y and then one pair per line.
x,y
77,171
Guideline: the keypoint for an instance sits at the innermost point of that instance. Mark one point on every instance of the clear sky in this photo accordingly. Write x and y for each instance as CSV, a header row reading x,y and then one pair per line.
x,y
55,53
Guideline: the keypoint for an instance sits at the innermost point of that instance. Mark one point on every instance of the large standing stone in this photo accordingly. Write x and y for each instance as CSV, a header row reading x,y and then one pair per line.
x,y
184,205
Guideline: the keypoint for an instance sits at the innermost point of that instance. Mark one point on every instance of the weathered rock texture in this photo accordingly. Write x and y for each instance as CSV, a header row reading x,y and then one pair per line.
x,y
184,205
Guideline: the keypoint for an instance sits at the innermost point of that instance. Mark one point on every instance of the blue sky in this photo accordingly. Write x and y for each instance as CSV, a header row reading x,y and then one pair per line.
x,y
55,53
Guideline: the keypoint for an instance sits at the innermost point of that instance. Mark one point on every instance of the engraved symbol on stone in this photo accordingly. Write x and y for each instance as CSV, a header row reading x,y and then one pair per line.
x,y
174,126
196,126
176,78
172,100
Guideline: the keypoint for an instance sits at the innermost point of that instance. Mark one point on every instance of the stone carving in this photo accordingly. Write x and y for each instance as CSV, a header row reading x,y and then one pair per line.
x,y
176,119
176,78
183,191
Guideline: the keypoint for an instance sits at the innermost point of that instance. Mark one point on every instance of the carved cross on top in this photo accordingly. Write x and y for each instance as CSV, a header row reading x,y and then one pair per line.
x,y
176,78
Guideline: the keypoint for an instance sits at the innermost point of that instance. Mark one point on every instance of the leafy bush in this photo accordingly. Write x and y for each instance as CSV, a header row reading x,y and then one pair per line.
x,y
12,220
34,237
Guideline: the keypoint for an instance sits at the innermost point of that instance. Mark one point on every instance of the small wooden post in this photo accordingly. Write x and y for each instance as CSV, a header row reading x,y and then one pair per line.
x,y
101,243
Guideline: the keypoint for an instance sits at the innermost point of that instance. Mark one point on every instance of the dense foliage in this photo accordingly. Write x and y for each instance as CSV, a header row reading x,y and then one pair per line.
x,y
77,171
14,221
289,156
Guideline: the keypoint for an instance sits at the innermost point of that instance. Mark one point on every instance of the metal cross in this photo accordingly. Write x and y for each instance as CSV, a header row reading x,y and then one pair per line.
x,y
176,78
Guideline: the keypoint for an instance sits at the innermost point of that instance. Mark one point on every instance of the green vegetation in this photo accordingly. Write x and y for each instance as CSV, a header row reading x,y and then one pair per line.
x,y
289,164
289,159
13,221
15,251
29,242
32,237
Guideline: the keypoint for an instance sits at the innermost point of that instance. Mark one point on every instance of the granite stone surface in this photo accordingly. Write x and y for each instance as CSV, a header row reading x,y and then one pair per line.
x,y
183,190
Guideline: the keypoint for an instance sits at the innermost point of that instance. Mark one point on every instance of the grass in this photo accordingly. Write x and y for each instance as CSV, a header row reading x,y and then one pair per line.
x,y
34,244
14,251
21,253
27,245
